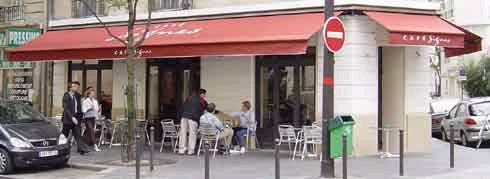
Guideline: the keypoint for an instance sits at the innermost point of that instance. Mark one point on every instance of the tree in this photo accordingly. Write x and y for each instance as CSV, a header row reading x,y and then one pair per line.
x,y
435,64
478,78
131,44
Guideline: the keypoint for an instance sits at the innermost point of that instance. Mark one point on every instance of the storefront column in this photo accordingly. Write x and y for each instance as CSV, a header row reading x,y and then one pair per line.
x,y
120,78
60,86
418,77
406,94
356,81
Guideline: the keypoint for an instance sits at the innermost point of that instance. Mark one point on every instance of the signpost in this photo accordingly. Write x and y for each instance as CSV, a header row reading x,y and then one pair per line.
x,y
333,36
462,79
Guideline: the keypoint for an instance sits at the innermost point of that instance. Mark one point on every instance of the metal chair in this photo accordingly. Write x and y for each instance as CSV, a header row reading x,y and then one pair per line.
x,y
312,135
208,135
102,127
169,131
287,135
117,131
251,134
145,127
299,141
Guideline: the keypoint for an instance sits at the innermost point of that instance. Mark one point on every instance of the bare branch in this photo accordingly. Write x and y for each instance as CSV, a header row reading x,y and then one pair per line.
x,y
103,23
147,25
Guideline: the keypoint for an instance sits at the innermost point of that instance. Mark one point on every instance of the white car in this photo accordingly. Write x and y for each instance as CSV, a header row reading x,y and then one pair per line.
x,y
439,109
468,117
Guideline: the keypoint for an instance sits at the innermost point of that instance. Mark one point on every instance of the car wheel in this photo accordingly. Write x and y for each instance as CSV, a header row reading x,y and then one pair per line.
x,y
6,164
464,140
444,135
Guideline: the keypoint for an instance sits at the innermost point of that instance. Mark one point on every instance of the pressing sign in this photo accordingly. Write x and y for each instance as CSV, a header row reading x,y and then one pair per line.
x,y
333,34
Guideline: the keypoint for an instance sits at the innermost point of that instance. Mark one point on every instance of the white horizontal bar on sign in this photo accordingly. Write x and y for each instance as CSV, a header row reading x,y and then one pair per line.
x,y
336,35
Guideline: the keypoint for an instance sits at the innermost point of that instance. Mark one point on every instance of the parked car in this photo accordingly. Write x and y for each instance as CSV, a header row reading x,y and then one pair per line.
x,y
28,139
468,117
439,109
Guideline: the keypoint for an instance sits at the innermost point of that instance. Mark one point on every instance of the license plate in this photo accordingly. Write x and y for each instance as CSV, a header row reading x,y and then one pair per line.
x,y
48,153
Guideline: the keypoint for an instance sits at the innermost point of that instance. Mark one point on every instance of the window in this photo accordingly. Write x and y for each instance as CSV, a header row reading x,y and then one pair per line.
x,y
461,111
480,109
94,6
449,8
16,2
171,4
452,114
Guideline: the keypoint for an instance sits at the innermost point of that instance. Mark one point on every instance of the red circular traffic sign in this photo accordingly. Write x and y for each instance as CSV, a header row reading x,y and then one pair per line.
x,y
333,34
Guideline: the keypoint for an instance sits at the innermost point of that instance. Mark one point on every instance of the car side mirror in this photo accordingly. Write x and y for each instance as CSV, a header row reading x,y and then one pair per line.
x,y
447,117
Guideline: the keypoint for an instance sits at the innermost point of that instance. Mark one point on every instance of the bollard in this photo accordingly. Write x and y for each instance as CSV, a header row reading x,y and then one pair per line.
x,y
137,143
402,152
451,146
276,156
152,147
344,156
206,160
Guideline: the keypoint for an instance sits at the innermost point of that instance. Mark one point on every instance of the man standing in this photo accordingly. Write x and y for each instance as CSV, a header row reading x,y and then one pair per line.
x,y
192,110
72,115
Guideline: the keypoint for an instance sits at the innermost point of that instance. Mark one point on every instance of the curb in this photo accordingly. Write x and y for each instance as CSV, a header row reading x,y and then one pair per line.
x,y
91,167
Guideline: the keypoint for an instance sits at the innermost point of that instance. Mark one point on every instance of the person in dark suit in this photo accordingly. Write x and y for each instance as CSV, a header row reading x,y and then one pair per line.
x,y
72,115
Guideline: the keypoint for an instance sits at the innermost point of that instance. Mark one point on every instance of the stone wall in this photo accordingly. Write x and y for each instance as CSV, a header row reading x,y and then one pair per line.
x,y
229,81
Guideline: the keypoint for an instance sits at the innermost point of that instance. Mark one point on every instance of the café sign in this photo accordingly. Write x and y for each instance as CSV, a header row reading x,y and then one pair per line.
x,y
14,37
441,40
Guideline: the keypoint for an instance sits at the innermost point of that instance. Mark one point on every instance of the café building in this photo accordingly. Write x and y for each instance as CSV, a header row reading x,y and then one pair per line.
x,y
272,56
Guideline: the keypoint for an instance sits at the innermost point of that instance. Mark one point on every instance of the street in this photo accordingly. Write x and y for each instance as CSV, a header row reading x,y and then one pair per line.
x,y
470,163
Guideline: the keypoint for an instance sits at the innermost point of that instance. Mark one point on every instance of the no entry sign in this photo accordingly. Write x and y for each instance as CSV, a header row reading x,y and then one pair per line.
x,y
334,34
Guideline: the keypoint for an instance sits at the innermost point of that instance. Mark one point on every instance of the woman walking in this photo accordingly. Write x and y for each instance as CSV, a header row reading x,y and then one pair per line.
x,y
90,109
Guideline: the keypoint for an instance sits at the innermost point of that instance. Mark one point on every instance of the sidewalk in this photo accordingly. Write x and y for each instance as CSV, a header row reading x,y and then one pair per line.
x,y
260,165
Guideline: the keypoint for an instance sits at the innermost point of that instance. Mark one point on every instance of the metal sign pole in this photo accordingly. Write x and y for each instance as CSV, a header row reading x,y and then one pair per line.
x,y
327,164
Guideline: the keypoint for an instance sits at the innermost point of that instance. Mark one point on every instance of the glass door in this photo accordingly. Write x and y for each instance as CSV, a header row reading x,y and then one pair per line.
x,y
170,82
95,74
286,94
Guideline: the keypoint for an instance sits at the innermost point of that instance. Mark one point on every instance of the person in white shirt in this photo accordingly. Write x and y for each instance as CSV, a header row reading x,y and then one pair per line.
x,y
247,122
90,109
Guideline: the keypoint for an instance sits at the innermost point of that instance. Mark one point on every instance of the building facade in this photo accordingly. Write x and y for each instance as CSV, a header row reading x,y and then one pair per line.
x,y
476,18
242,51
20,21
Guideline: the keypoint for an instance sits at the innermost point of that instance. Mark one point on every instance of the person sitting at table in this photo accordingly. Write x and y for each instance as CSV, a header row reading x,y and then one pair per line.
x,y
247,122
226,133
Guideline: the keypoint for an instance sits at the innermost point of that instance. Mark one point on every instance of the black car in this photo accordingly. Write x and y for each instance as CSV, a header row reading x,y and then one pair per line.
x,y
27,138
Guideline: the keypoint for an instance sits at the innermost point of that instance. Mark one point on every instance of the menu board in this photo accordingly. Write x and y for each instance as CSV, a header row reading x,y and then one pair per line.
x,y
19,86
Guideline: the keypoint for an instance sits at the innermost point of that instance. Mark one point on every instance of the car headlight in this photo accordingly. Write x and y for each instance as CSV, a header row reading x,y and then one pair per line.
x,y
19,143
62,140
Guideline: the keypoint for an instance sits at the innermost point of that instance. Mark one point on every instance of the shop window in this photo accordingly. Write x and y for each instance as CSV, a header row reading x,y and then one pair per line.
x,y
95,74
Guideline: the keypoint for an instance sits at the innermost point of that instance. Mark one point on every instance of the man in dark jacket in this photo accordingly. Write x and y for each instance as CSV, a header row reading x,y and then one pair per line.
x,y
72,115
192,110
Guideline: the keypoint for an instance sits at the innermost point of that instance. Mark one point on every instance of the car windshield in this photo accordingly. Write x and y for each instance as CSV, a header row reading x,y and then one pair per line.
x,y
16,113
443,106
480,109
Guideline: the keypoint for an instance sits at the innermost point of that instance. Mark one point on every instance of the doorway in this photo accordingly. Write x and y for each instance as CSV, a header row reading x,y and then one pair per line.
x,y
170,81
285,93
98,75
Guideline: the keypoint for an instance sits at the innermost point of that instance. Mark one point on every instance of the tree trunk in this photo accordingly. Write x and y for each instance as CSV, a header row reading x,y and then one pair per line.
x,y
131,49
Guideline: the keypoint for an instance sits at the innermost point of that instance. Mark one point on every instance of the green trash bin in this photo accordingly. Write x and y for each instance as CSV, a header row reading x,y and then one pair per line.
x,y
337,127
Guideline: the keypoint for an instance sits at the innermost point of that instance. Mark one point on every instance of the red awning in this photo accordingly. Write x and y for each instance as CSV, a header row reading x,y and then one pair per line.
x,y
472,44
416,29
431,30
262,35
